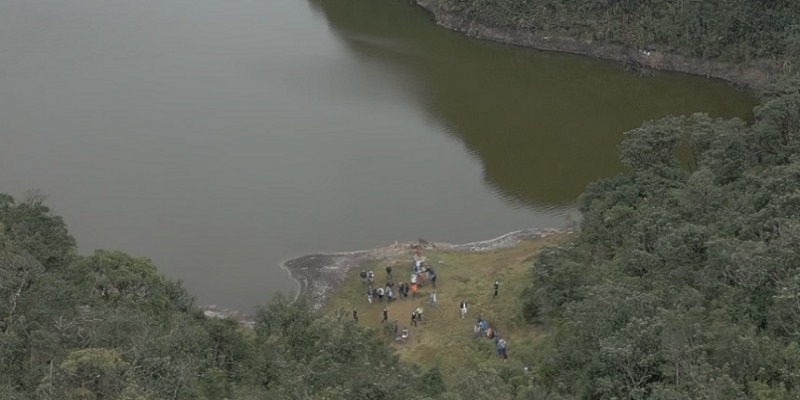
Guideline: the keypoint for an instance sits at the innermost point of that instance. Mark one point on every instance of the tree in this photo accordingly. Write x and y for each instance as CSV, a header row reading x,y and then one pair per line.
x,y
93,373
33,228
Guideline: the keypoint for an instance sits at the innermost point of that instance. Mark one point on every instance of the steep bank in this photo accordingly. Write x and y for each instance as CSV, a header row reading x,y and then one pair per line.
x,y
753,75
320,274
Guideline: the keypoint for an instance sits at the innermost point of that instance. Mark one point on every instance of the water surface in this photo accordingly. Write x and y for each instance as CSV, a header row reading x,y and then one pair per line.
x,y
220,138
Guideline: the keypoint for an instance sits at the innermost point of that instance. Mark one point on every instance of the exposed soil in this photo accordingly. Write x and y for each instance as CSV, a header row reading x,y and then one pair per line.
x,y
754,75
320,274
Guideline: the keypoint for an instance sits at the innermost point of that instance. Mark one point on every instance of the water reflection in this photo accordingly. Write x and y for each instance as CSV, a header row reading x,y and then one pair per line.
x,y
543,125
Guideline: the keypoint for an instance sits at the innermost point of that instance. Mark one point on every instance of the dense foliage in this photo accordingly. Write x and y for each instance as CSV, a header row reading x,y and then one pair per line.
x,y
685,279
683,283
109,326
729,30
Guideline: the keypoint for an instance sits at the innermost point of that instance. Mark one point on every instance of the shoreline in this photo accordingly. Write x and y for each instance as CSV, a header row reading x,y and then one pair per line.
x,y
753,75
318,275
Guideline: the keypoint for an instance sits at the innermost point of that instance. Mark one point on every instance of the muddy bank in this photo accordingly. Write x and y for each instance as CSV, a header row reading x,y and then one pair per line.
x,y
752,75
319,274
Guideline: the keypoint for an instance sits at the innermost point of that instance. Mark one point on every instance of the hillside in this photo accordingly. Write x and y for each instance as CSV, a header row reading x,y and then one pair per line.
x,y
681,283
728,30
443,338
743,42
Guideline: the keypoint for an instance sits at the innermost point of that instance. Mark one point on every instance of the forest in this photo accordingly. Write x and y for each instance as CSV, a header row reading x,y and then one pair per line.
x,y
724,30
682,281
109,326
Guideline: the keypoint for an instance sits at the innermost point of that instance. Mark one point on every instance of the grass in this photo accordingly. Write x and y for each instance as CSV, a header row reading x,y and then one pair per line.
x,y
442,337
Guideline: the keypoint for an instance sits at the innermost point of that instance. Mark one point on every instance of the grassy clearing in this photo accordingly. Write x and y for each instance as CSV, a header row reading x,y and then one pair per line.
x,y
442,337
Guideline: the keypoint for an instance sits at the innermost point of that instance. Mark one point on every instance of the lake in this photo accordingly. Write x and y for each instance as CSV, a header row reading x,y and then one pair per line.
x,y
220,138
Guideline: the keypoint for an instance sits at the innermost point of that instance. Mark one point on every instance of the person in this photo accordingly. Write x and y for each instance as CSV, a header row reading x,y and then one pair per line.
x,y
414,318
371,278
355,314
404,335
413,290
385,315
405,290
400,288
501,349
413,278
370,294
463,308
496,286
363,275
389,272
419,313
380,293
389,294
480,327
432,277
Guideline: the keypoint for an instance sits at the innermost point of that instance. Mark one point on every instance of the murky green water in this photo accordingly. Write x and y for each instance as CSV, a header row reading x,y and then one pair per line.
x,y
222,137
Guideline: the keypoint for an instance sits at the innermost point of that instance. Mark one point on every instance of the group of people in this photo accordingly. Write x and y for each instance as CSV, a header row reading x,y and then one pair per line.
x,y
389,292
420,273
482,328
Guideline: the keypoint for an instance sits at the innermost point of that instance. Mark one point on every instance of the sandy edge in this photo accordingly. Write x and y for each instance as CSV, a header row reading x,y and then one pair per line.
x,y
318,275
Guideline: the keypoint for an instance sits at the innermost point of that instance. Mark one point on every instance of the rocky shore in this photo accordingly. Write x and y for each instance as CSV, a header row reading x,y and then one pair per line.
x,y
754,75
319,274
